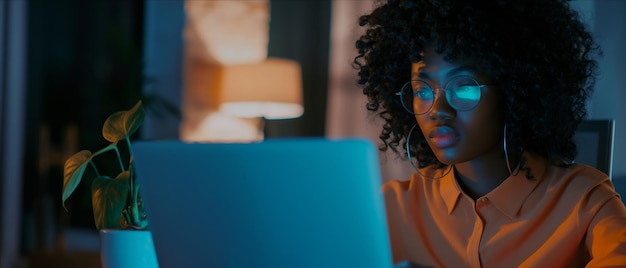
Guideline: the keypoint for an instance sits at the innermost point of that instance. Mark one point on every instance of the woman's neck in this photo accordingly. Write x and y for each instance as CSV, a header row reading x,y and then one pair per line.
x,y
481,175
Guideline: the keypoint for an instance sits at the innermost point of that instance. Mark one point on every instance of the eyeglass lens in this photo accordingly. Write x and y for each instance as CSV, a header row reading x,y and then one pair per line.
x,y
462,93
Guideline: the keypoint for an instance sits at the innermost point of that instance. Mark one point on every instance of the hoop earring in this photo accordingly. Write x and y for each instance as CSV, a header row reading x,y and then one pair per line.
x,y
512,171
408,154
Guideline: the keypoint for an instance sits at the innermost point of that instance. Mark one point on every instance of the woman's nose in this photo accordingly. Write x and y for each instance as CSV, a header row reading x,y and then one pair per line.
x,y
441,109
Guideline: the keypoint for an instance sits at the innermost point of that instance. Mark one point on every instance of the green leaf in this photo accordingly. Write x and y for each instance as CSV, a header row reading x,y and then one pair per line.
x,y
120,125
109,199
105,149
73,172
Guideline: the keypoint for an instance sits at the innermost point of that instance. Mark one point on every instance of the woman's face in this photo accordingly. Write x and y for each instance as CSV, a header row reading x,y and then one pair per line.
x,y
459,136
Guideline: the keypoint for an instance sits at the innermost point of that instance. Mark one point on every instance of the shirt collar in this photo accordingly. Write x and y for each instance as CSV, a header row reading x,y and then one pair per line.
x,y
510,195
450,191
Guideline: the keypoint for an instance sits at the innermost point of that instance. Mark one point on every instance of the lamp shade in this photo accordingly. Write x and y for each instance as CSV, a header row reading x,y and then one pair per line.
x,y
271,89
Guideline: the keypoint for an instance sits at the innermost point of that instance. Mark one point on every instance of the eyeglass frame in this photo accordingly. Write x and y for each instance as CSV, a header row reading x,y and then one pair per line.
x,y
436,93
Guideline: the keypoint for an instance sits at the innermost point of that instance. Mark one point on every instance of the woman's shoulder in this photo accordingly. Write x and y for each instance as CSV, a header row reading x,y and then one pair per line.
x,y
577,175
579,180
397,185
400,187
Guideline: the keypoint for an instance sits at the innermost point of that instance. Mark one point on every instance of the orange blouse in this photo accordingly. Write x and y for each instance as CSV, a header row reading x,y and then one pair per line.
x,y
563,217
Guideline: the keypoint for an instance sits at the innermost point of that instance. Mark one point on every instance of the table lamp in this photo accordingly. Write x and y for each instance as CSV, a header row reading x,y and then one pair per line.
x,y
271,89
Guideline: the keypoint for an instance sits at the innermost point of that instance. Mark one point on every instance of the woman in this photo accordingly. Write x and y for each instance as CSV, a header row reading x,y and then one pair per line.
x,y
484,97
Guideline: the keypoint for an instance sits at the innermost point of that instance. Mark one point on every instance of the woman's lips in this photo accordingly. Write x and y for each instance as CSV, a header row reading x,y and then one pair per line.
x,y
443,136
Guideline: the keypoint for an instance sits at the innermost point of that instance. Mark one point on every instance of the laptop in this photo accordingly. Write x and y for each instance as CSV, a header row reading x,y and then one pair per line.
x,y
292,202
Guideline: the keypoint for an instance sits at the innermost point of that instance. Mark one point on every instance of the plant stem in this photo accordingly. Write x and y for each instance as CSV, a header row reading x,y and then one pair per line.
x,y
134,208
119,158
134,189
93,165
130,147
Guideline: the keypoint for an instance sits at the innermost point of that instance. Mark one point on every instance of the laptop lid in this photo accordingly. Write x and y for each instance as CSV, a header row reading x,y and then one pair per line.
x,y
296,202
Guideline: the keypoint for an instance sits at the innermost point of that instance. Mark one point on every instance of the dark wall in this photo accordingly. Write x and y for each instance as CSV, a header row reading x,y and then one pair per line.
x,y
83,63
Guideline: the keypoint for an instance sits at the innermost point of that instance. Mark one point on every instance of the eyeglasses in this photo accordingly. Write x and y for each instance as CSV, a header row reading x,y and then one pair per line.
x,y
462,93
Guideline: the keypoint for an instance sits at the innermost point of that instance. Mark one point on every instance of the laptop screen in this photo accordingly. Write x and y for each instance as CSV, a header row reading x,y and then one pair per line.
x,y
297,202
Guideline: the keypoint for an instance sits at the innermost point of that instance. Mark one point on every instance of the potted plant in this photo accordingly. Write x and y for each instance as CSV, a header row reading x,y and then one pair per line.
x,y
118,211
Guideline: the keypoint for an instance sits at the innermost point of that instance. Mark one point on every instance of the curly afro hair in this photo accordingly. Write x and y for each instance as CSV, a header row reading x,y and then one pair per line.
x,y
538,52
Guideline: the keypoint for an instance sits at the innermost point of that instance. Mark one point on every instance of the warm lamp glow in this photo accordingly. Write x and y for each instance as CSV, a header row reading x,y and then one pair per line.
x,y
227,32
271,89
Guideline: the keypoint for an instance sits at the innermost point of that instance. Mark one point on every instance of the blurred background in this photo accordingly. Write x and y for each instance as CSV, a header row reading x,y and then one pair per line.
x,y
68,64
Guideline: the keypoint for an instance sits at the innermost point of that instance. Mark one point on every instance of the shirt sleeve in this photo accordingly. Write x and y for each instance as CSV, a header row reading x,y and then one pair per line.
x,y
606,233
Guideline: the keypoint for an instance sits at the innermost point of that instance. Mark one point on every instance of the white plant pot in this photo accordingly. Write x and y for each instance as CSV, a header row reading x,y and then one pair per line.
x,y
127,248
